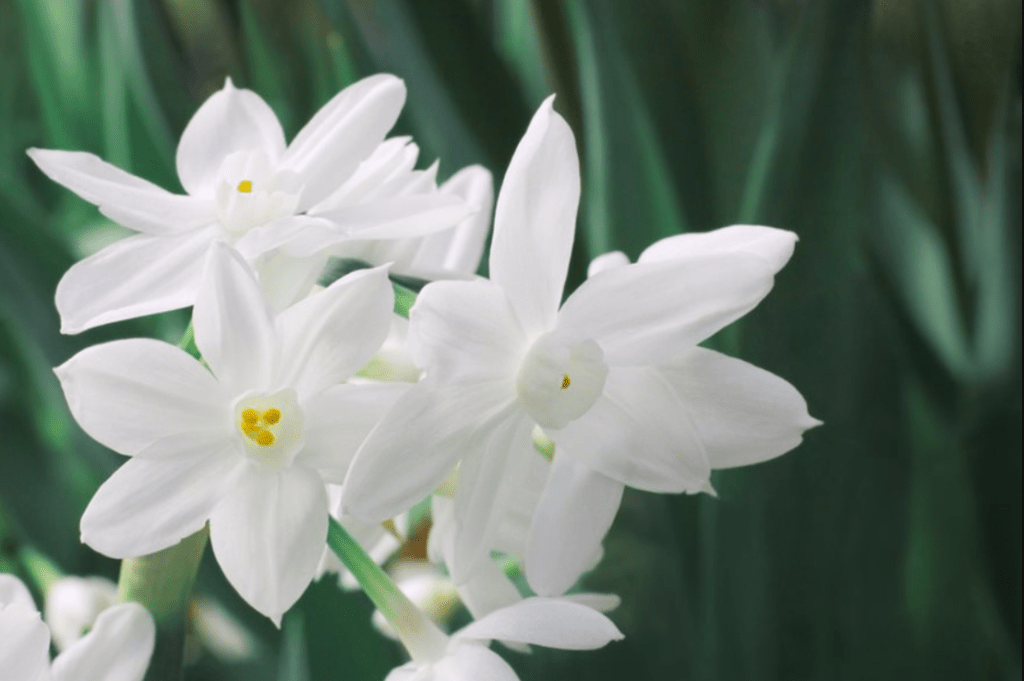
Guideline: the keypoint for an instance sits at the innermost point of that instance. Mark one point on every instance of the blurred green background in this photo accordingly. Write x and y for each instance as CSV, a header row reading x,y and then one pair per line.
x,y
886,134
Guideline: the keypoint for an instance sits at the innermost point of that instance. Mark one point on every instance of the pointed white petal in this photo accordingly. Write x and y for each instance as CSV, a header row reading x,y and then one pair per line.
x,y
149,504
24,638
575,512
330,335
549,622
127,394
137,276
461,330
459,249
338,421
343,132
639,433
489,480
535,219
472,662
417,444
599,602
123,197
743,414
118,648
392,160
233,326
774,245
650,312
607,261
269,534
230,120
398,217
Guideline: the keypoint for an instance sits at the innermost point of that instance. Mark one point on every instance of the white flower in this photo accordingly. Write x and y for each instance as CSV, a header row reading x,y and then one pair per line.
x,y
117,647
500,357
73,604
554,623
246,445
243,185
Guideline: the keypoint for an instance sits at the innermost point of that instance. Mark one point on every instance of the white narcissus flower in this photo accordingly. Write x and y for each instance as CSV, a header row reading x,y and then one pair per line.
x,y
500,357
241,180
73,604
549,622
118,646
247,444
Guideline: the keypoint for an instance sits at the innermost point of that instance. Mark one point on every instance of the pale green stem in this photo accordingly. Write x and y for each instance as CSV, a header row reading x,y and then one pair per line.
x,y
421,637
43,571
162,582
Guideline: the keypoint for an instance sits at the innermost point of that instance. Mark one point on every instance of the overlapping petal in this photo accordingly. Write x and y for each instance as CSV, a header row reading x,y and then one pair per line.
x,y
229,121
774,245
743,414
118,648
269,534
650,312
232,322
638,433
137,276
121,196
24,638
550,622
328,336
342,133
128,394
466,331
459,249
575,513
535,220
149,504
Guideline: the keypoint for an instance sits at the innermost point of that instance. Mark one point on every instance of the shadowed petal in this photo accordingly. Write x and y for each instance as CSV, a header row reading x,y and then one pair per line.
x,y
550,622
117,648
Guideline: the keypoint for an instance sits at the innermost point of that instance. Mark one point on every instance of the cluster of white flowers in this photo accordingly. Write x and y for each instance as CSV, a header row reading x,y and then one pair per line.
x,y
519,417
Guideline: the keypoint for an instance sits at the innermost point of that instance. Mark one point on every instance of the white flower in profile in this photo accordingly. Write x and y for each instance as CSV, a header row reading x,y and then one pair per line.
x,y
501,357
118,646
464,656
247,444
240,179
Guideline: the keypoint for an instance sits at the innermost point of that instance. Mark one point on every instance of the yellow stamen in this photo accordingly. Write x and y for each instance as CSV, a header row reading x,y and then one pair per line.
x,y
566,382
264,438
250,416
271,416
245,186
249,428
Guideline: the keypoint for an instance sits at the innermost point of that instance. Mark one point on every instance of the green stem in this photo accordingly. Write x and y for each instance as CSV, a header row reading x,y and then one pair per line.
x,y
162,582
421,637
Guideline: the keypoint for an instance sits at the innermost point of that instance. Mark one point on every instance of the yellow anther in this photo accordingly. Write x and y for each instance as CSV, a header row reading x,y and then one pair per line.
x,y
566,382
271,416
249,428
245,186
250,416
264,437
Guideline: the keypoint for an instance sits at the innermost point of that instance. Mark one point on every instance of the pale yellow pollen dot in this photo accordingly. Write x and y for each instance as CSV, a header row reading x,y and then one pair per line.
x,y
245,186
566,382
264,437
271,416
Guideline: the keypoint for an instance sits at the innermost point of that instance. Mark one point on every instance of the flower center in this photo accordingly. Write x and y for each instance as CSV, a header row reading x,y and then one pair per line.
x,y
558,382
251,192
272,427
245,186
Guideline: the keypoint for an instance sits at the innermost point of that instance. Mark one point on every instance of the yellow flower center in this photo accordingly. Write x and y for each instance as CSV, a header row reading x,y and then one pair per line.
x,y
257,426
245,186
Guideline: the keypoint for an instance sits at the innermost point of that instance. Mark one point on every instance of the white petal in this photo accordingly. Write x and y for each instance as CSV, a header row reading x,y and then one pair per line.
x,y
489,481
150,504
550,622
118,648
459,249
233,326
743,414
269,535
488,589
638,433
393,160
137,276
127,394
338,421
774,245
575,512
535,219
607,261
650,312
397,217
343,132
330,335
461,330
123,197
472,662
230,120
417,444
24,638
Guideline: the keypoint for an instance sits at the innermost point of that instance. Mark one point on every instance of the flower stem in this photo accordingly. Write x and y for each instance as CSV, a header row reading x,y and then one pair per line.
x,y
420,636
162,582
